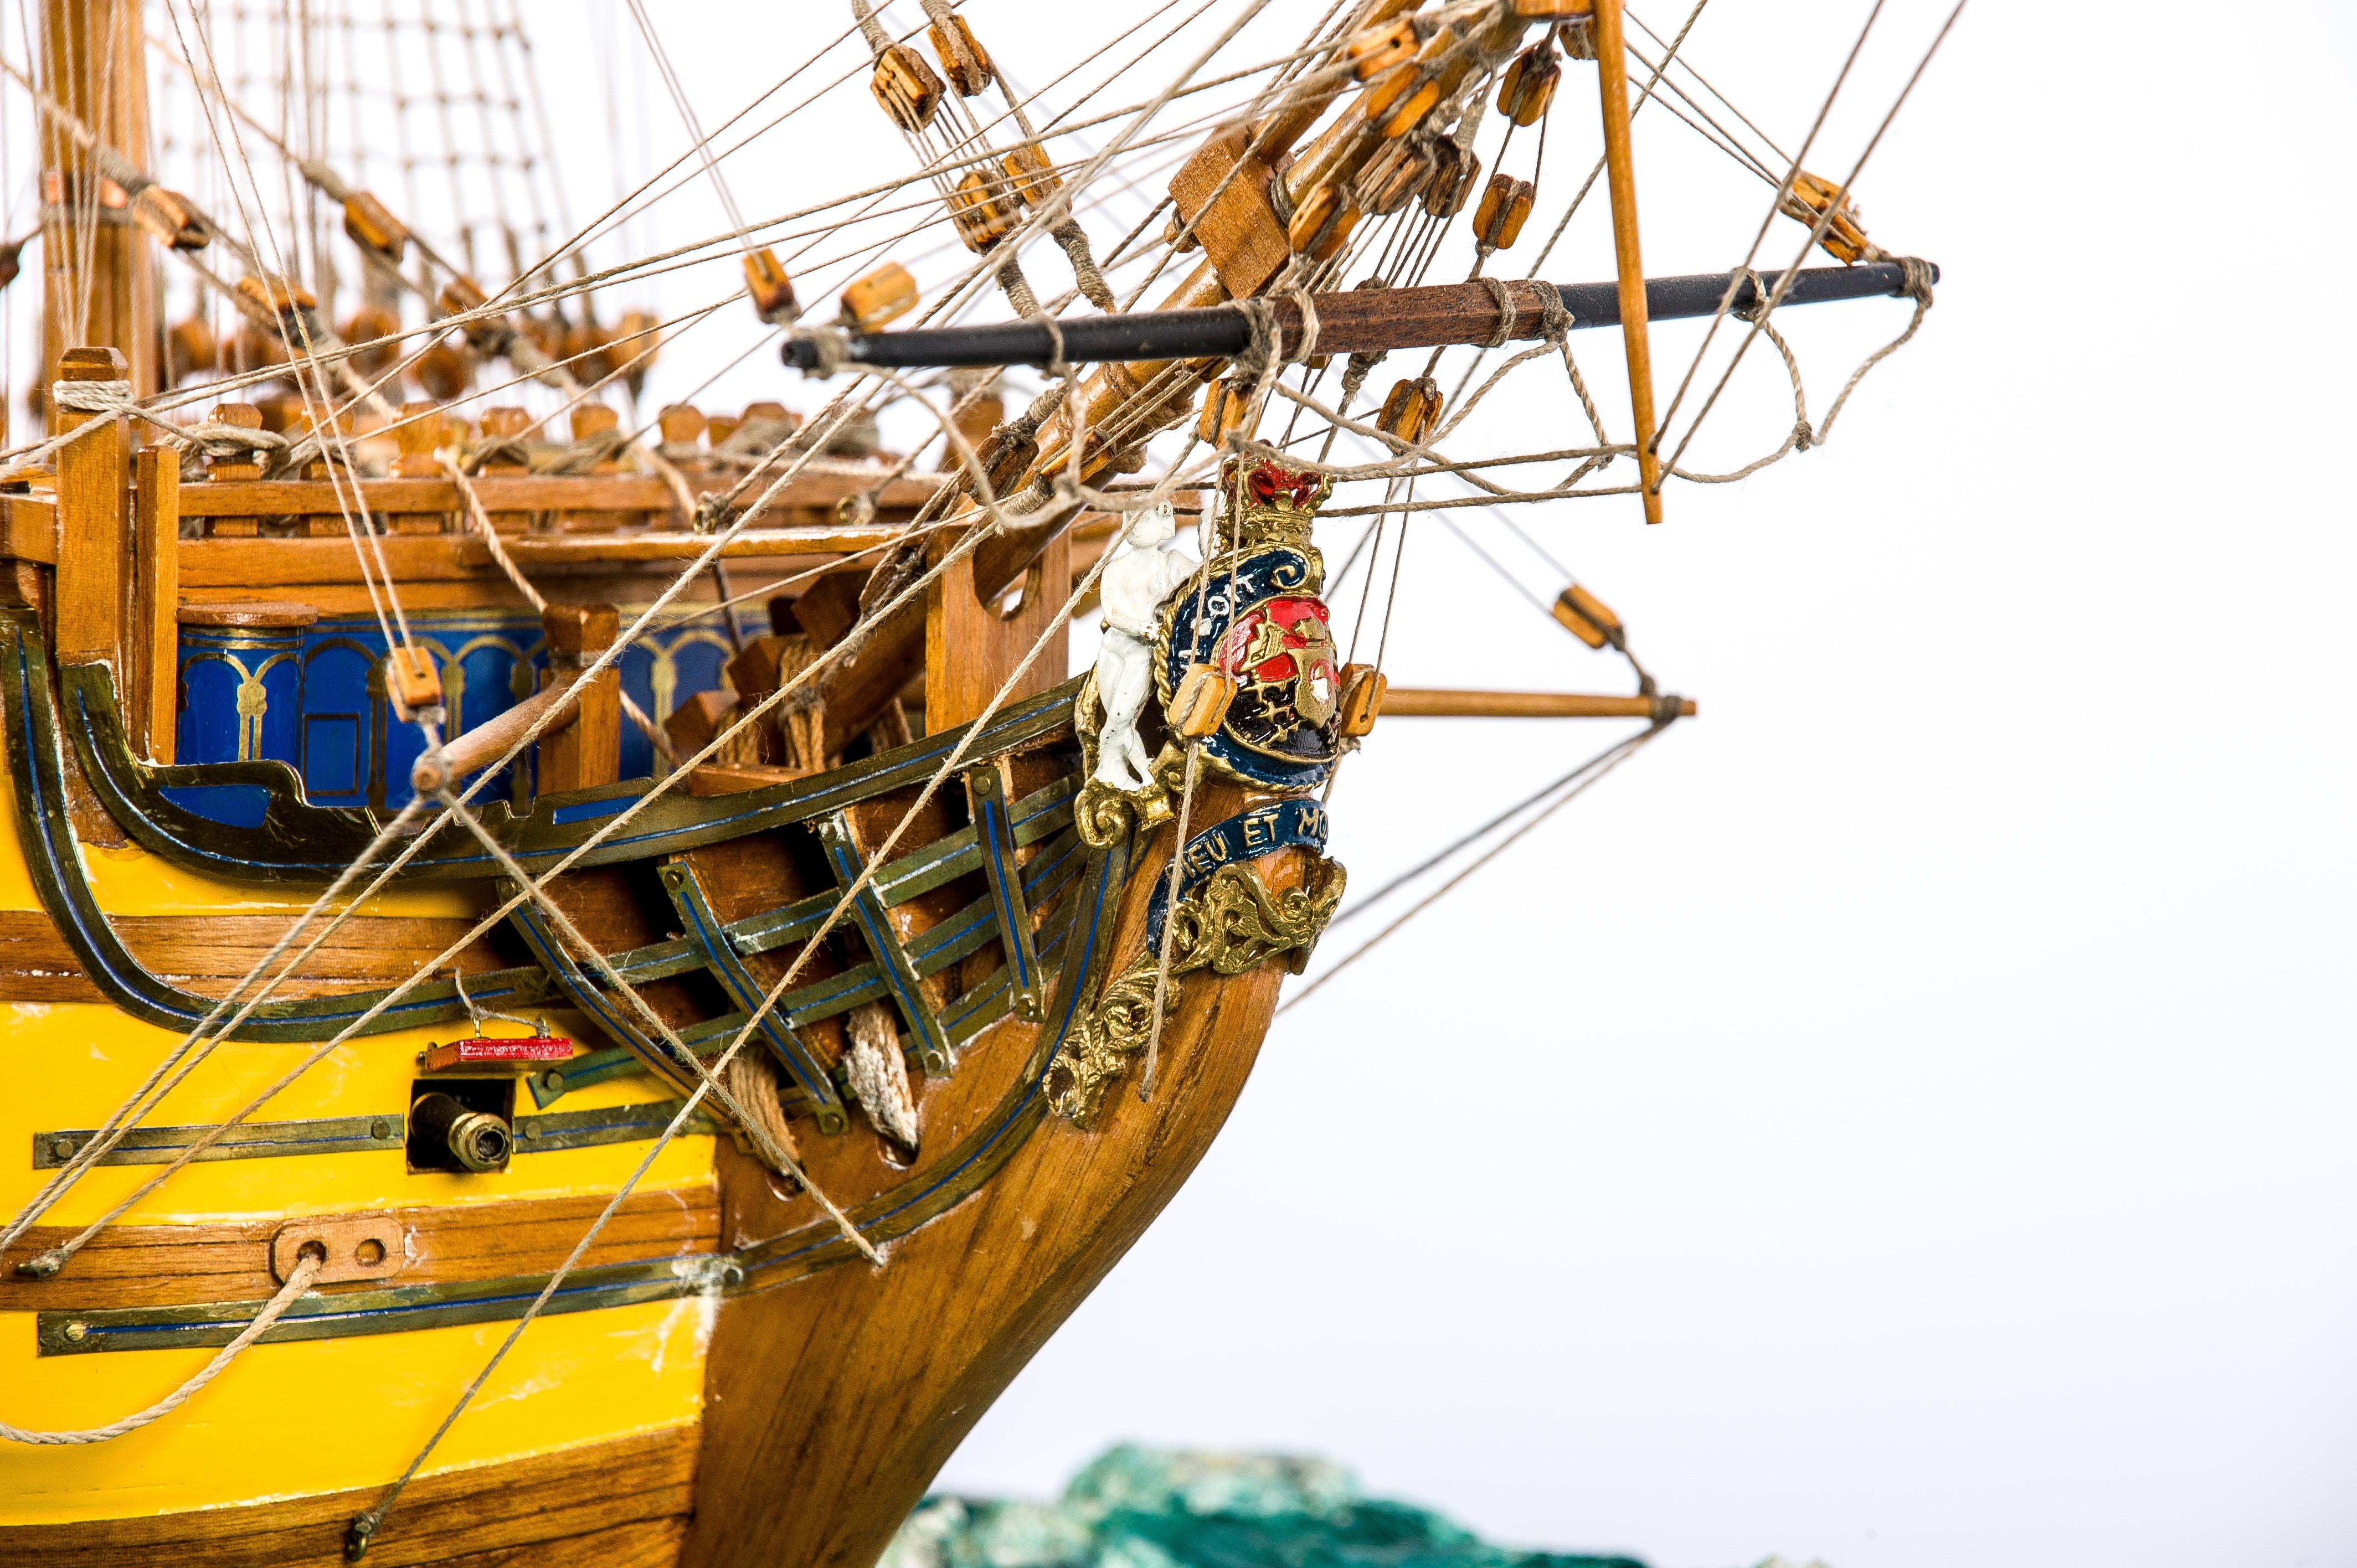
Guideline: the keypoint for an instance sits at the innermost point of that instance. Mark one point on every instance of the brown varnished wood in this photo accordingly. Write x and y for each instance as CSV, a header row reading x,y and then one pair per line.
x,y
1620,177
28,527
102,278
833,1400
1423,703
616,1503
587,752
209,952
181,1265
93,504
522,493
971,650
155,605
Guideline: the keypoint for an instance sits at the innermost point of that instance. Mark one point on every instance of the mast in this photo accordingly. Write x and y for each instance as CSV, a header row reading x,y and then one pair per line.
x,y
99,283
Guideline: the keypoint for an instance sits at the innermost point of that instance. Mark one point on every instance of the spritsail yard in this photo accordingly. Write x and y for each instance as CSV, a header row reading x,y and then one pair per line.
x,y
585,985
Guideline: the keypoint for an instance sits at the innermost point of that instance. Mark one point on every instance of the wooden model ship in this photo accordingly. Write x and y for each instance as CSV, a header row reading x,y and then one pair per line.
x,y
584,989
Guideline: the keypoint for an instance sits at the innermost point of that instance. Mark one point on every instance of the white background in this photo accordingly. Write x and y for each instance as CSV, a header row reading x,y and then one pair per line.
x,y
1904,1117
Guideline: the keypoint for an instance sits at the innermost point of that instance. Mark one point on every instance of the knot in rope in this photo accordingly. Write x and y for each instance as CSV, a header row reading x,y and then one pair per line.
x,y
1260,325
1504,298
1266,348
294,459
1057,365
498,450
1758,309
830,350
215,439
1918,273
94,397
586,454
1308,348
1555,317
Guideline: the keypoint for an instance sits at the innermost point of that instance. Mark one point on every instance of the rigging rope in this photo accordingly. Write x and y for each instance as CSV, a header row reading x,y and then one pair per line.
x,y
298,1281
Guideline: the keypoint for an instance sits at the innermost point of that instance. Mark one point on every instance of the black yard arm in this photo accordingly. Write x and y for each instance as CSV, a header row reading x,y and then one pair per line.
x,y
1356,321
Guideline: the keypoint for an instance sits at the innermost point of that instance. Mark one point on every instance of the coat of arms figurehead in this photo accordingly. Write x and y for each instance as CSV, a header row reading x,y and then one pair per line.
x,y
1257,618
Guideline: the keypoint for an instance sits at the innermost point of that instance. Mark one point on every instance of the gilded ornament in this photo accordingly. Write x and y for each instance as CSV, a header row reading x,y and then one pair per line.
x,y
1234,923
1104,814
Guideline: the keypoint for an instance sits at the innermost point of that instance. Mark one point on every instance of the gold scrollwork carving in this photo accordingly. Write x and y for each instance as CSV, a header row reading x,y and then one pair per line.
x,y
1231,924
1105,815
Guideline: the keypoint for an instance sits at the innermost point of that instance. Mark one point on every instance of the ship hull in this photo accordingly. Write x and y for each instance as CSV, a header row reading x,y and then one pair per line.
x,y
724,1380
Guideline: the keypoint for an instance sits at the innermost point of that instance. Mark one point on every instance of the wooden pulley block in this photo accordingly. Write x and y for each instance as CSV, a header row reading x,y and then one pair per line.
x,y
167,215
276,295
1455,172
1505,208
1577,36
253,349
883,296
1031,175
772,290
1530,83
462,295
1388,90
545,333
1364,687
1412,409
636,344
1322,224
1225,405
1589,619
594,419
983,213
507,423
444,370
371,226
1394,176
1411,111
459,295
422,428
1843,237
190,348
411,681
1374,50
371,325
964,59
1200,705
906,87
589,349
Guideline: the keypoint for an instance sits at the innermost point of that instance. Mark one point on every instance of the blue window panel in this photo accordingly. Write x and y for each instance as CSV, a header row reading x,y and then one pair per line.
x,y
332,770
208,721
340,727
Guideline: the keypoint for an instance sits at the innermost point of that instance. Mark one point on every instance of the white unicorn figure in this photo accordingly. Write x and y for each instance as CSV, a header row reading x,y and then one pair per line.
x,y
1148,564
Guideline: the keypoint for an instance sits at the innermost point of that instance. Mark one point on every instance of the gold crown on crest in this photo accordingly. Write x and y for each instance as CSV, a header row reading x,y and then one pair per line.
x,y
1270,504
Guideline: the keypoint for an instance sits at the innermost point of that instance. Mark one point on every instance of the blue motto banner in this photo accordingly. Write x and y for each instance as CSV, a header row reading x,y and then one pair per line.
x,y
1247,836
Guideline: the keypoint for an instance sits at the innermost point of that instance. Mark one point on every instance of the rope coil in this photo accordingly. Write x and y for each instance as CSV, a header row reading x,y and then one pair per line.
x,y
94,397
